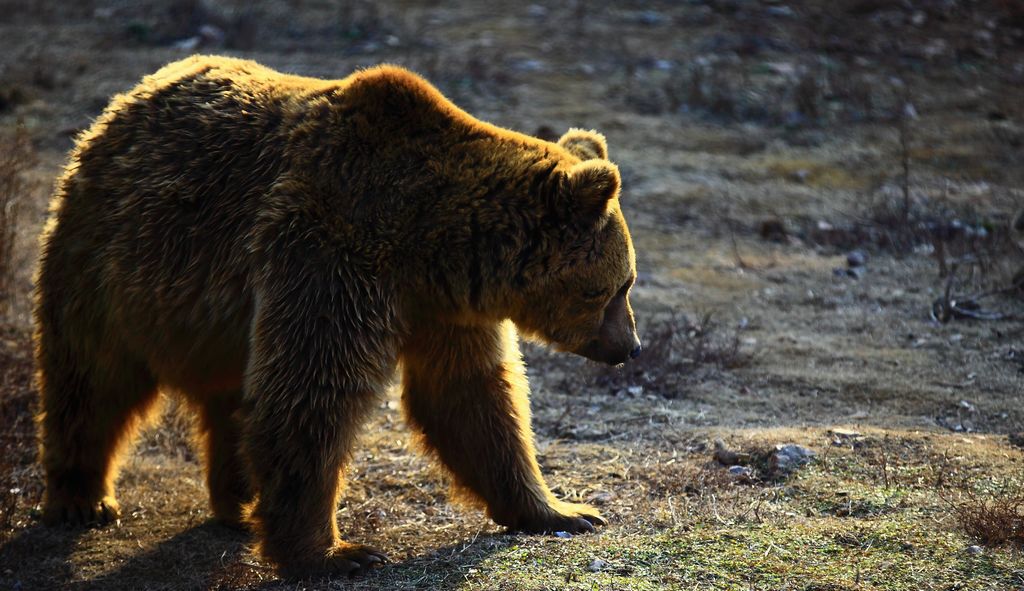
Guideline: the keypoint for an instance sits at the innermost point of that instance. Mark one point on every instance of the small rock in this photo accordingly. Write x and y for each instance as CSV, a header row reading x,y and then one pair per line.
x,y
773,229
968,406
651,18
600,497
635,390
211,35
974,550
563,534
856,258
187,44
741,473
781,11
789,457
528,65
597,565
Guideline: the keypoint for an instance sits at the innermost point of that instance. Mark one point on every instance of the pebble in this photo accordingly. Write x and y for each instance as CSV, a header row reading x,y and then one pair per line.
x,y
741,474
856,258
781,11
789,457
563,534
974,550
740,471
597,565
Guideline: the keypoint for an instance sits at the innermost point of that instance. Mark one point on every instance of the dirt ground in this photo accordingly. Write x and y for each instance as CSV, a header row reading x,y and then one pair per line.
x,y
793,176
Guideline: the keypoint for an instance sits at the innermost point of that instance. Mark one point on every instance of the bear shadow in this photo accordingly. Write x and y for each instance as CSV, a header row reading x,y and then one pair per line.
x,y
209,555
189,559
39,557
447,566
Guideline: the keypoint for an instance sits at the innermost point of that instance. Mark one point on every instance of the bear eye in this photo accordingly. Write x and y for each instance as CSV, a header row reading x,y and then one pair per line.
x,y
595,294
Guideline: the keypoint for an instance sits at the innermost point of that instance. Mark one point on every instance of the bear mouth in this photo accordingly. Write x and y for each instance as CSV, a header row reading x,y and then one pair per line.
x,y
596,351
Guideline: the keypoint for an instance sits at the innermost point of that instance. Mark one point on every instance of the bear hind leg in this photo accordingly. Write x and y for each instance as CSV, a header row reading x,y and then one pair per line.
x,y
226,473
88,415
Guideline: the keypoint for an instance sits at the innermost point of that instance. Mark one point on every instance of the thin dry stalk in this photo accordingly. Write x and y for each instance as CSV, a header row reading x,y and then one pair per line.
x,y
675,348
997,521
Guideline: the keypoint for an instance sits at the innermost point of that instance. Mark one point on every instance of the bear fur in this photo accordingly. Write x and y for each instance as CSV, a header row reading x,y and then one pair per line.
x,y
276,249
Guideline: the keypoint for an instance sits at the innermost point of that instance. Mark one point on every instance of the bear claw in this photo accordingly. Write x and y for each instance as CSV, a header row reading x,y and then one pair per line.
x,y
344,559
568,517
354,559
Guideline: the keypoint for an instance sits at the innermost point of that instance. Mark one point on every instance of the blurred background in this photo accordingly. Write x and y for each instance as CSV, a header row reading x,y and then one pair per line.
x,y
820,194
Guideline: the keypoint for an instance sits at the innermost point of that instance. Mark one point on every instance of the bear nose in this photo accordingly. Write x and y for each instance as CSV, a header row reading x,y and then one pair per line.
x,y
636,352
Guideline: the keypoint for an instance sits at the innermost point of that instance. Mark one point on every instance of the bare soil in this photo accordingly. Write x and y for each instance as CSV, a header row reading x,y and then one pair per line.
x,y
761,143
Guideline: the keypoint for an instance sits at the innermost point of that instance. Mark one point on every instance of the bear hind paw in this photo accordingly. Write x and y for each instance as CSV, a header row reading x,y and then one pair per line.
x,y
82,512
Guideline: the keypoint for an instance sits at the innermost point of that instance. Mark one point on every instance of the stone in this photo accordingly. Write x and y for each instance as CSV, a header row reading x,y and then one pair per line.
x,y
787,458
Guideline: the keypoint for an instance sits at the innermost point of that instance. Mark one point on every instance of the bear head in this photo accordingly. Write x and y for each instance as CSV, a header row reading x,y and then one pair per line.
x,y
575,291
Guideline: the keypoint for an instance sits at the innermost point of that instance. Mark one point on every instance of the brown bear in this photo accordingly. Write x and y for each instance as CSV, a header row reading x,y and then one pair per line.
x,y
274,248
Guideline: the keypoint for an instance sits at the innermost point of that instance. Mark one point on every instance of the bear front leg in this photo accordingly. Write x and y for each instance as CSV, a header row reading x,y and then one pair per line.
x,y
297,462
465,390
320,353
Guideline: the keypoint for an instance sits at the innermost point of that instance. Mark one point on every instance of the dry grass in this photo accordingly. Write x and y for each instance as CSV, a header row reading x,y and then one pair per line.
x,y
16,158
993,522
20,485
675,349
17,440
989,509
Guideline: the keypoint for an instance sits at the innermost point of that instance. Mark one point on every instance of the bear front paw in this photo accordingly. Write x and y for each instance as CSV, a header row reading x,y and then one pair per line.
x,y
77,511
574,518
343,559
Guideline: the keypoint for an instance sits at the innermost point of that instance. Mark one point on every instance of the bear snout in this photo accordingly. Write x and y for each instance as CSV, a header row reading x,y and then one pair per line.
x,y
636,352
611,353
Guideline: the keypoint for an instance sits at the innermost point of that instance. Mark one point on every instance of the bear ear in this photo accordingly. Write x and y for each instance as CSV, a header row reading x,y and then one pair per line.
x,y
591,185
585,145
